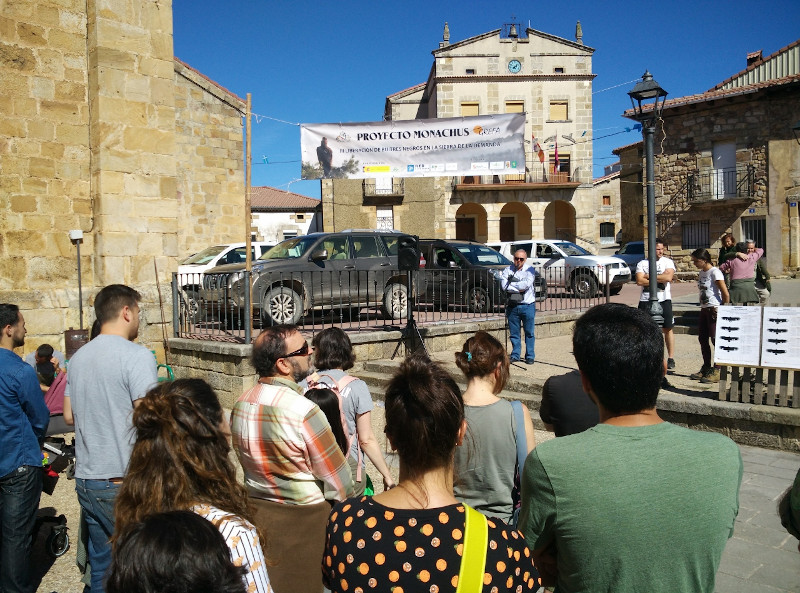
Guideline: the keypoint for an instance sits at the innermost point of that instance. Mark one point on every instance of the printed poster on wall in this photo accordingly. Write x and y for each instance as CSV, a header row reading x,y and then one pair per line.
x,y
738,336
479,145
780,338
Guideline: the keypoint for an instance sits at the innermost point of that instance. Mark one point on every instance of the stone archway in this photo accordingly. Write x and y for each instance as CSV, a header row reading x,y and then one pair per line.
x,y
515,222
471,223
559,221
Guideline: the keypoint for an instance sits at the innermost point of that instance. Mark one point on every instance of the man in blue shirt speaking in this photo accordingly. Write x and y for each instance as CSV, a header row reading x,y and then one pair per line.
x,y
23,422
519,285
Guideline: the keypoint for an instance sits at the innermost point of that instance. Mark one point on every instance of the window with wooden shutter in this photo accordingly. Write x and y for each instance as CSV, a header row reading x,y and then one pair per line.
x,y
559,110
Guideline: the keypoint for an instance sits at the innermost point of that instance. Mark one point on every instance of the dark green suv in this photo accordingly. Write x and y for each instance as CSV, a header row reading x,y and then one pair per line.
x,y
344,270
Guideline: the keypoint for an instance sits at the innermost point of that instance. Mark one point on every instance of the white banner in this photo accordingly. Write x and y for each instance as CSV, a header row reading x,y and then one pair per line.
x,y
480,145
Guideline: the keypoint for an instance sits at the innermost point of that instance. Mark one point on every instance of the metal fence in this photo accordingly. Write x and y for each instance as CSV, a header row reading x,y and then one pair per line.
x,y
219,307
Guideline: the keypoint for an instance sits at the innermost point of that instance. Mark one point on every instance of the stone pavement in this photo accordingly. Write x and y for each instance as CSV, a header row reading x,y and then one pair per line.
x,y
761,556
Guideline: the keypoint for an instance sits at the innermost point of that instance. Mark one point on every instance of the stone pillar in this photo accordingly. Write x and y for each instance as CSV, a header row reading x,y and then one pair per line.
x,y
132,139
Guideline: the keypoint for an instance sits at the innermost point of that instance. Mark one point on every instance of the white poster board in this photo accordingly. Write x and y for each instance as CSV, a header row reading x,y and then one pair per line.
x,y
780,340
738,336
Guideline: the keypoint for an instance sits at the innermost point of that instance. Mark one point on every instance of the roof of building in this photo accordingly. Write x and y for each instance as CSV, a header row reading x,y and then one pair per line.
x,y
408,91
608,177
271,199
232,97
782,63
722,93
620,149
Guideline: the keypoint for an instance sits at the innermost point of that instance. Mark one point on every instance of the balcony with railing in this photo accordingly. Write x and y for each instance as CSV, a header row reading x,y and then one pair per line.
x,y
390,187
729,184
536,176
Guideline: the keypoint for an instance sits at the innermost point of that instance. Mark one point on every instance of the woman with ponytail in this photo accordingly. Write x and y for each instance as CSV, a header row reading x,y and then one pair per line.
x,y
486,466
414,537
180,461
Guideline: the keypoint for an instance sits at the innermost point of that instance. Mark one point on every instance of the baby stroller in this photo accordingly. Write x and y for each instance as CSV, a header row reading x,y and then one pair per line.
x,y
59,457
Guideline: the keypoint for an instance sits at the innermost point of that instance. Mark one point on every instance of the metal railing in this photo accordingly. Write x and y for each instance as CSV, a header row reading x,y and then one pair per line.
x,y
221,309
721,184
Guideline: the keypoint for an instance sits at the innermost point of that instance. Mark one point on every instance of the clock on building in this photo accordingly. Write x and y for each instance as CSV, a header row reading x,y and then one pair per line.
x,y
514,66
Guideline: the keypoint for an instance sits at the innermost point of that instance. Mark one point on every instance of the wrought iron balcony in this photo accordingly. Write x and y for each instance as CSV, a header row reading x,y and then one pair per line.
x,y
709,185
384,187
535,175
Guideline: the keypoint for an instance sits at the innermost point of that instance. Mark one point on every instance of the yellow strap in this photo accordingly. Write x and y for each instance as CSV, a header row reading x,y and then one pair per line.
x,y
473,558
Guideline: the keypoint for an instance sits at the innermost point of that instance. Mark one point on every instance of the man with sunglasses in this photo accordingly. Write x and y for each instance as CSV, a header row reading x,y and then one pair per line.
x,y
293,467
519,285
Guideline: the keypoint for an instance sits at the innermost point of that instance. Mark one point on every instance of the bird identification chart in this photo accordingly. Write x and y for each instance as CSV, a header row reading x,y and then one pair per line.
x,y
780,339
738,336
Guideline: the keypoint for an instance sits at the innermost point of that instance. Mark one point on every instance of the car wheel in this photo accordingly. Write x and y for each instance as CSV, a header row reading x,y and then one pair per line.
x,y
584,285
395,301
478,300
57,542
191,308
281,305
615,290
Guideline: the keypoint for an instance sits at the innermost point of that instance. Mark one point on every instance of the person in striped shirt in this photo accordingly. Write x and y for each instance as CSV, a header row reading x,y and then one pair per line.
x,y
293,467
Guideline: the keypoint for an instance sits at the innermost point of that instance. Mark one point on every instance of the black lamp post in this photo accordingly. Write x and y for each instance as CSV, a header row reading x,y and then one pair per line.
x,y
647,99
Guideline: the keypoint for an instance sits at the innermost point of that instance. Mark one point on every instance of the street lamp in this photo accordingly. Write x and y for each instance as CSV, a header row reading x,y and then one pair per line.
x,y
647,99
796,130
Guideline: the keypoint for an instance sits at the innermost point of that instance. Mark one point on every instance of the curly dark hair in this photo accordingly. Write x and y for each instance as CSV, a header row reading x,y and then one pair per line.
x,y
333,350
480,356
173,552
9,314
180,458
424,413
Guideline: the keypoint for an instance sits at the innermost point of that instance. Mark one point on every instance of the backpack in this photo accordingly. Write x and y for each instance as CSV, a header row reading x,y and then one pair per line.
x,y
338,387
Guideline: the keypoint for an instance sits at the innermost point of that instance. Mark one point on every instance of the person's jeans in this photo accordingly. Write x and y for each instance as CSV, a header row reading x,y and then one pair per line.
x,y
525,316
19,500
96,498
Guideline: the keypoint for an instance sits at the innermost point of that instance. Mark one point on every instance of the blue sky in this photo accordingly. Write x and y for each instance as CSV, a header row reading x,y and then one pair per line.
x,y
312,62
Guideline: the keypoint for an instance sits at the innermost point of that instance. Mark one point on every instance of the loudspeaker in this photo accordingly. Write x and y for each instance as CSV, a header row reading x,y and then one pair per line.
x,y
408,253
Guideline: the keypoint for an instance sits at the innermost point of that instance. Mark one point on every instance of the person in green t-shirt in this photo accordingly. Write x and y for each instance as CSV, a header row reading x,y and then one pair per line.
x,y
634,503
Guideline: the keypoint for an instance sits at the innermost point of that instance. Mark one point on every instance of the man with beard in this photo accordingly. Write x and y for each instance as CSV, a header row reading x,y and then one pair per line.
x,y
23,422
107,378
292,464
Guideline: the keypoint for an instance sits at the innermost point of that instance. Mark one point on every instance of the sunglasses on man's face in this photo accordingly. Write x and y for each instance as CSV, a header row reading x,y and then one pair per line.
x,y
519,259
304,350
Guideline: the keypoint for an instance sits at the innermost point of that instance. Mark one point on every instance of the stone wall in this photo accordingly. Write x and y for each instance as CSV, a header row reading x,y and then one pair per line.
x,y
100,129
210,179
44,161
753,122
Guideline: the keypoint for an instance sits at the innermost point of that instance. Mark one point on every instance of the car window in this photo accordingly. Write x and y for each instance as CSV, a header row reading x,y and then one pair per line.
x,y
635,248
571,249
291,248
390,241
204,256
481,255
526,246
366,246
336,246
544,250
443,257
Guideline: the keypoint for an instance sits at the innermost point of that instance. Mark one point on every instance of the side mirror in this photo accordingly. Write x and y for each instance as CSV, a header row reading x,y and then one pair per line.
x,y
319,254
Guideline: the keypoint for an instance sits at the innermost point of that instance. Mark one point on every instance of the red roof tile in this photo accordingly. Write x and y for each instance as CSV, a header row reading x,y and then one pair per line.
x,y
265,198
606,177
620,149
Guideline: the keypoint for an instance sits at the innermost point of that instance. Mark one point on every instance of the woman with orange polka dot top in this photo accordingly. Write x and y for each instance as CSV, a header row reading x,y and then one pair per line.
x,y
411,538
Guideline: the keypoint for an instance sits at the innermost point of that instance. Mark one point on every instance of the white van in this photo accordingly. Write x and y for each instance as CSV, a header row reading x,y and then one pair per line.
x,y
192,270
567,265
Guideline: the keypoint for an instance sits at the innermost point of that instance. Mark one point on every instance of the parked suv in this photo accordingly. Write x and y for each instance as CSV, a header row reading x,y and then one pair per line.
x,y
566,265
345,270
631,253
192,270
462,273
